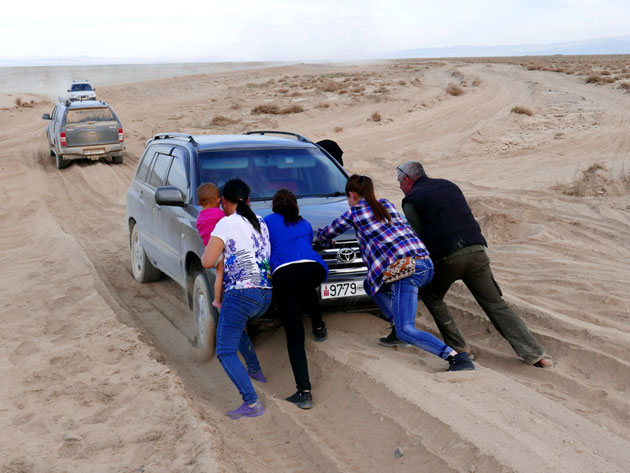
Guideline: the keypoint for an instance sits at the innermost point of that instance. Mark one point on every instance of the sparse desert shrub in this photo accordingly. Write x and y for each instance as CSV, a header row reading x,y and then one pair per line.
x,y
382,90
402,82
358,89
322,105
296,93
283,91
332,86
222,120
593,79
338,129
522,110
235,106
454,89
295,108
625,86
276,110
265,109
605,73
18,101
376,117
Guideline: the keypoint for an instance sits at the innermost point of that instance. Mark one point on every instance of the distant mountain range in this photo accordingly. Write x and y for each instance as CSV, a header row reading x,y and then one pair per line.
x,y
616,45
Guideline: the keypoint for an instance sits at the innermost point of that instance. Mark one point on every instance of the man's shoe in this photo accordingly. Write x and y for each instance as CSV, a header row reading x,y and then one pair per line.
x,y
246,411
258,376
392,340
460,362
320,334
304,400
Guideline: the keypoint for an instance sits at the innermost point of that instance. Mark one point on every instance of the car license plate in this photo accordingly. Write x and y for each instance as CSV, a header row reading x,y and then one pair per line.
x,y
94,151
342,289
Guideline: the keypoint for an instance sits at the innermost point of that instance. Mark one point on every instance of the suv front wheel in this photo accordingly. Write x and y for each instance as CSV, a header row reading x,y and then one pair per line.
x,y
141,267
206,316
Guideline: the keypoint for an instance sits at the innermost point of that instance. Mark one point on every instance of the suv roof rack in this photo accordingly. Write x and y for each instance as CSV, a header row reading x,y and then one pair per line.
x,y
271,132
175,136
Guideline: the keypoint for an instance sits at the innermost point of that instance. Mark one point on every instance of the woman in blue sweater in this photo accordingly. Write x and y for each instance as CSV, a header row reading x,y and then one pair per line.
x,y
297,272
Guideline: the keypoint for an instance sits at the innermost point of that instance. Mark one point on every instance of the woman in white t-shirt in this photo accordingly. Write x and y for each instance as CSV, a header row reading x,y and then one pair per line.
x,y
242,238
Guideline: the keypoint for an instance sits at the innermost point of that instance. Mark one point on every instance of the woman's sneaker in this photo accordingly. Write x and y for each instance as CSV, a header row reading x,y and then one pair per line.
x,y
320,334
245,411
392,340
258,376
460,362
304,400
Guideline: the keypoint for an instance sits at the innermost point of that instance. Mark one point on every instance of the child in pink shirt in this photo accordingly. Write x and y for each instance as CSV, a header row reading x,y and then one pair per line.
x,y
209,198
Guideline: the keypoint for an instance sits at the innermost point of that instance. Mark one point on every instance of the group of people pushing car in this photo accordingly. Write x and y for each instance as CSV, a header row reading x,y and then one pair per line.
x,y
438,243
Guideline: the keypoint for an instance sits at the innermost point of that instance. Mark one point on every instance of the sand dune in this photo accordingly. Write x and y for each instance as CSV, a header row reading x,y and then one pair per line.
x,y
99,372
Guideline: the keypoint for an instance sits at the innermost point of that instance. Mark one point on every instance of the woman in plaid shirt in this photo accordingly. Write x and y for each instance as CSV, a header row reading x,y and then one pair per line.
x,y
385,237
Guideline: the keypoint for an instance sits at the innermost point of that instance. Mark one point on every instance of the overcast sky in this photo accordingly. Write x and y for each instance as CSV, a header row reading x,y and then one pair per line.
x,y
248,30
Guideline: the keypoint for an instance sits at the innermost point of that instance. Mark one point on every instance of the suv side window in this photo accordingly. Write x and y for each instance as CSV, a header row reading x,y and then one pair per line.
x,y
160,169
177,175
143,169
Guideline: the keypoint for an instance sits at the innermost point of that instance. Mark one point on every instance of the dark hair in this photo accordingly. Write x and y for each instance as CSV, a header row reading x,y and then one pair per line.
x,y
285,203
363,186
237,192
333,149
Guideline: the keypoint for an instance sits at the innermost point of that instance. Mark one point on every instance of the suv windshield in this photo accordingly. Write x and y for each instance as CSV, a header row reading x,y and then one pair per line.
x,y
80,115
79,87
305,172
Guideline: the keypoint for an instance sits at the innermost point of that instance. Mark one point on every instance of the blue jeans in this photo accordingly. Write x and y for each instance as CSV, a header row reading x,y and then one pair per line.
x,y
399,303
239,306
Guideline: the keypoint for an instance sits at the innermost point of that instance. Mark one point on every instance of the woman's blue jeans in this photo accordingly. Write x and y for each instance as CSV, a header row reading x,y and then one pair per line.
x,y
239,306
399,303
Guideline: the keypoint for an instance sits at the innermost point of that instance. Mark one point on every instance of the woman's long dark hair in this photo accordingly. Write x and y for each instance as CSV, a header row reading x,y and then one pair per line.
x,y
363,186
285,203
237,192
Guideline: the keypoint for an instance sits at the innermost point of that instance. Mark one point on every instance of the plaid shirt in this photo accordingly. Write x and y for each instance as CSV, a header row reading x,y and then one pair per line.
x,y
381,243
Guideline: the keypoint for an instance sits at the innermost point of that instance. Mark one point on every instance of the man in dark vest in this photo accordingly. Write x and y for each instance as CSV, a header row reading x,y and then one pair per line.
x,y
438,212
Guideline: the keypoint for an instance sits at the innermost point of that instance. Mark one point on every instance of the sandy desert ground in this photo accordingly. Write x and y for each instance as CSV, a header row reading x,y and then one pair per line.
x,y
98,373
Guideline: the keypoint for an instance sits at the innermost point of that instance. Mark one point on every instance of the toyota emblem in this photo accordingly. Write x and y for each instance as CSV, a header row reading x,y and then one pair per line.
x,y
345,255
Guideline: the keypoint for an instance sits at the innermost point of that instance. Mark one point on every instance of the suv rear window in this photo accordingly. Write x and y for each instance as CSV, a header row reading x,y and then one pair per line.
x,y
82,115
306,172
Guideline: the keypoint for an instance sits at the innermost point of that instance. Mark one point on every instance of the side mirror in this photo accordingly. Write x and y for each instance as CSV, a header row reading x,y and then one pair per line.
x,y
68,90
46,116
170,196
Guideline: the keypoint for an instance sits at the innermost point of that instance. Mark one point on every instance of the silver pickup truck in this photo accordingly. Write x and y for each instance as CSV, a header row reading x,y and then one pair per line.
x,y
84,129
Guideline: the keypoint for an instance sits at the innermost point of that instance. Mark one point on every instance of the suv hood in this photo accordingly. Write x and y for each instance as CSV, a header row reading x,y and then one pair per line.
x,y
319,211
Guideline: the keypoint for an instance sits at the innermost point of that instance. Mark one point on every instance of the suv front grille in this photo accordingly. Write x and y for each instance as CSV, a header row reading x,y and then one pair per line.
x,y
343,257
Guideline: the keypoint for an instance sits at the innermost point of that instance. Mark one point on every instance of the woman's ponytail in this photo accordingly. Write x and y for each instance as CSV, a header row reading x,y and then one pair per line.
x,y
362,185
237,191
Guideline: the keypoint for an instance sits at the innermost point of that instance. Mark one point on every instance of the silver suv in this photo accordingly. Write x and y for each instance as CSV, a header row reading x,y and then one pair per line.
x,y
162,210
86,129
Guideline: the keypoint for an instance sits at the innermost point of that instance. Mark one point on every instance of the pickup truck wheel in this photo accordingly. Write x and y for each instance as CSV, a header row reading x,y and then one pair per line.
x,y
61,163
141,267
206,316
117,159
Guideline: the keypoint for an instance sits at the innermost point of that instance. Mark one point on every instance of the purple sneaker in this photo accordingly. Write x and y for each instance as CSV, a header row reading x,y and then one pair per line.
x,y
246,411
258,376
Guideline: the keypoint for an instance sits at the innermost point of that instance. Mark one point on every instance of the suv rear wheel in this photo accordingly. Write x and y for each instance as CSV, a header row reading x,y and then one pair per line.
x,y
205,314
61,163
141,267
